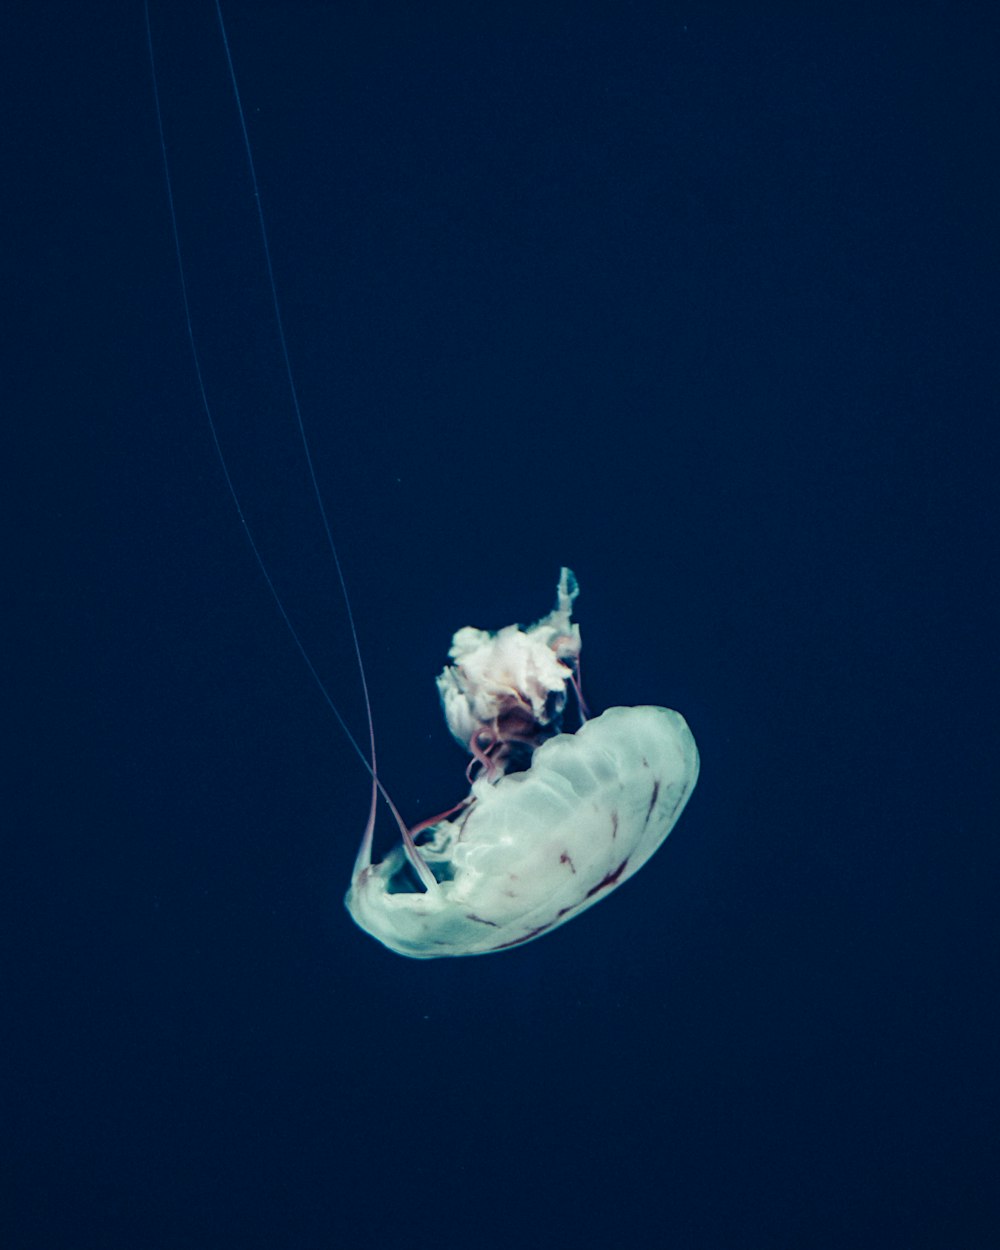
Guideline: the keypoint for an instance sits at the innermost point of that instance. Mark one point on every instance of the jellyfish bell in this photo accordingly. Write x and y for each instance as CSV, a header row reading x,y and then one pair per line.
x,y
553,821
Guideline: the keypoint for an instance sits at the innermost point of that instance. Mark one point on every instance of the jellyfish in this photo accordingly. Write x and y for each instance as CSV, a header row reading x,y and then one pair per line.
x,y
553,821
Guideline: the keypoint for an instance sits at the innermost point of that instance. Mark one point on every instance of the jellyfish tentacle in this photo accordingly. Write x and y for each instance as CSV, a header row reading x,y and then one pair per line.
x,y
435,820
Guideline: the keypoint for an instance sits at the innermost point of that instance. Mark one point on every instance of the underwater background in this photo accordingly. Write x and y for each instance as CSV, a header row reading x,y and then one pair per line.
x,y
698,300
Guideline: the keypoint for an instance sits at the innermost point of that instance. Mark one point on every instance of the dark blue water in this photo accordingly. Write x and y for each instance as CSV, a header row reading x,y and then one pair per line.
x,y
699,304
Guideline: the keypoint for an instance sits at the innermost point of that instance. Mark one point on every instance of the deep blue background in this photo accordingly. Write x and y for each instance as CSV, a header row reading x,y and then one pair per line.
x,y
699,302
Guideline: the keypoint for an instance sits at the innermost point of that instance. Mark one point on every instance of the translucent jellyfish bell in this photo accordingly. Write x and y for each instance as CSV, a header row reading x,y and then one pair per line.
x,y
554,821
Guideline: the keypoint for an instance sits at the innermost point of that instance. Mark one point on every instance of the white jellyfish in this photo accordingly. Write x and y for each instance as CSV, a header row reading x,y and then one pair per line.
x,y
554,821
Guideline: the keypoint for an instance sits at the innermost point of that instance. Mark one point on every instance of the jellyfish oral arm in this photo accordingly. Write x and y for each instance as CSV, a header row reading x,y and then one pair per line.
x,y
504,693
554,821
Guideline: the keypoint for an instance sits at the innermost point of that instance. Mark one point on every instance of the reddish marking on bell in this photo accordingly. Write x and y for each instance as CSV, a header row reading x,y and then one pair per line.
x,y
614,825
565,859
610,880
527,938
652,801
481,920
